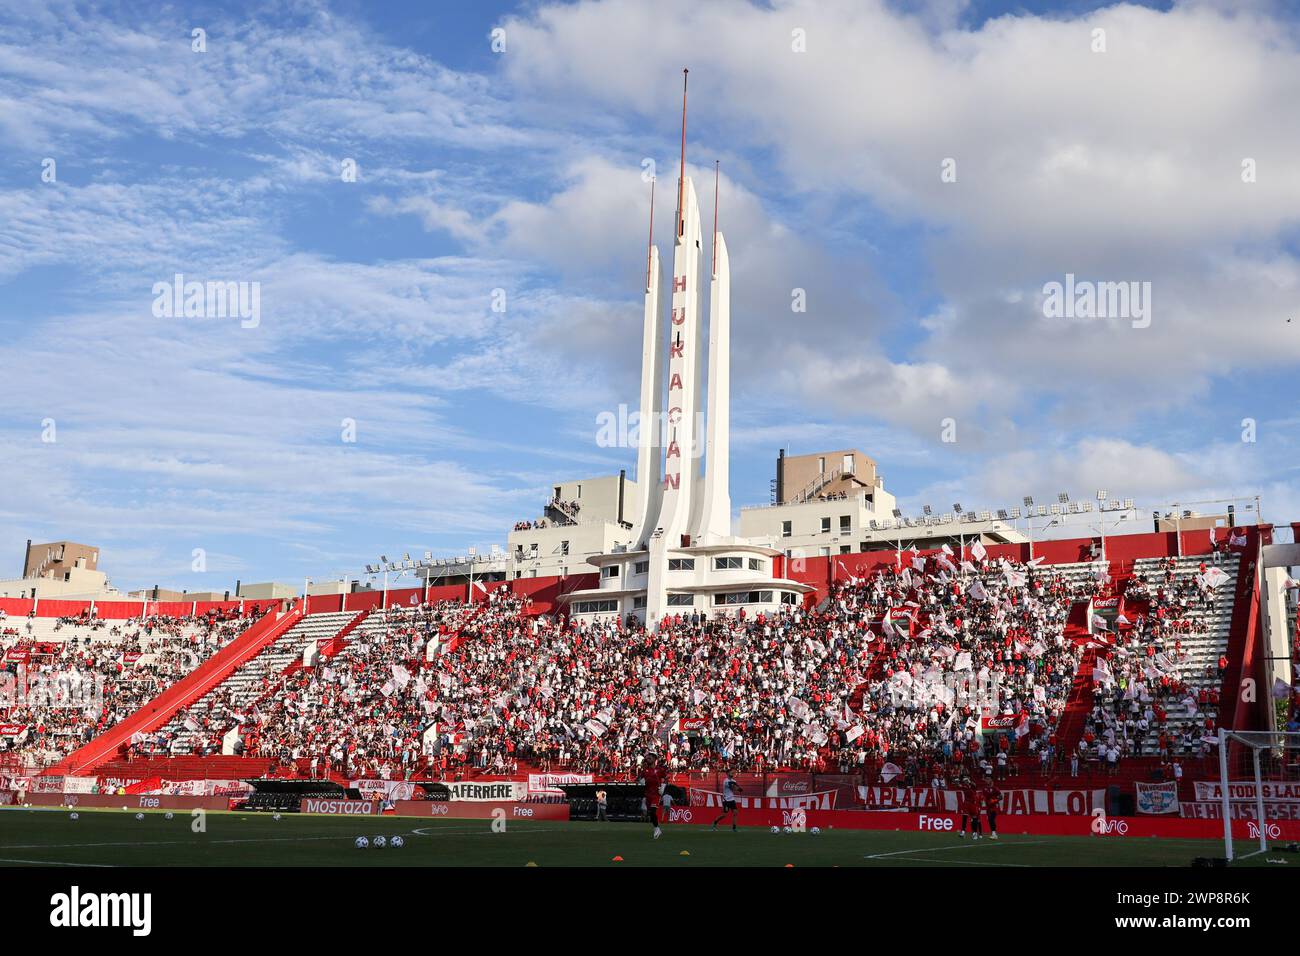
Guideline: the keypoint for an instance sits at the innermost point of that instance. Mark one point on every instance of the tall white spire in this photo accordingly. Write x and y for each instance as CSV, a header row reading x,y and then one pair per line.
x,y
649,464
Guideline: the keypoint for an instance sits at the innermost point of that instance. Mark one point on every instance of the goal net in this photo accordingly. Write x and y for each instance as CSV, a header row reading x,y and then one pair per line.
x,y
1253,766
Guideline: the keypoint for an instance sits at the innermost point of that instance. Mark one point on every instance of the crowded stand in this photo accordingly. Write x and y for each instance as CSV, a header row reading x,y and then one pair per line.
x,y
904,665
75,677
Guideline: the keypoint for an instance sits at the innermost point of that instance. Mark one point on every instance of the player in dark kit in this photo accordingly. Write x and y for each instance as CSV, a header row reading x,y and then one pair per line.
x,y
992,804
655,777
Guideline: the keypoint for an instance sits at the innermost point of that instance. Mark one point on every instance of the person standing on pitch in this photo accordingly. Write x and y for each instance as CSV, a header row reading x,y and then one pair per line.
x,y
654,778
729,790
602,805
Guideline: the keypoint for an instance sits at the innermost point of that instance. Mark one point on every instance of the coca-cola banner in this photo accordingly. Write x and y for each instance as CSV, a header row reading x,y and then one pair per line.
x,y
11,730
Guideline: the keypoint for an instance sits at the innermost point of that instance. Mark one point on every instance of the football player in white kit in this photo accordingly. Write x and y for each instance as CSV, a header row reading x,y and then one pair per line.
x,y
729,790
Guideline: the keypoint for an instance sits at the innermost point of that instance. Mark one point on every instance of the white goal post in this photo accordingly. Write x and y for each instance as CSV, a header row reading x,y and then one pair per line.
x,y
1273,756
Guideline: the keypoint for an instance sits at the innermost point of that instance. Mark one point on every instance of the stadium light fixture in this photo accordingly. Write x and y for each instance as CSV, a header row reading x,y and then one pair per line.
x,y
1015,514
1063,497
926,509
897,514
1101,496
957,507
1029,501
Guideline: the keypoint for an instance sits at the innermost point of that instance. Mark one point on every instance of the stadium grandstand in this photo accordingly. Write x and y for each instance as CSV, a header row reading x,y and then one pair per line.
x,y
898,675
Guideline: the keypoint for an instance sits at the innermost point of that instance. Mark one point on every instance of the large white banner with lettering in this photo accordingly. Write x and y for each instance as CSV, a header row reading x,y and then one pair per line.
x,y
1277,791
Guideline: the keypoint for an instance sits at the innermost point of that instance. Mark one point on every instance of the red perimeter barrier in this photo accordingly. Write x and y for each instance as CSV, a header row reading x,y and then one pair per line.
x,y
132,801
474,810
1109,828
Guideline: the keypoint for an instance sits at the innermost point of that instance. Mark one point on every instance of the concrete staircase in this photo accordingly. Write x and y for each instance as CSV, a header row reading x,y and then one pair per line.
x,y
248,682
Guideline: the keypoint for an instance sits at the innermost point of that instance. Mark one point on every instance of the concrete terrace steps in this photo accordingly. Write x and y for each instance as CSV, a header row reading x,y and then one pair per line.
x,y
248,682
1203,650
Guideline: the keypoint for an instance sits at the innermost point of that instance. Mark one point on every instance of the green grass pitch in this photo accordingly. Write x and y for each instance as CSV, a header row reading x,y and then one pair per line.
x,y
50,837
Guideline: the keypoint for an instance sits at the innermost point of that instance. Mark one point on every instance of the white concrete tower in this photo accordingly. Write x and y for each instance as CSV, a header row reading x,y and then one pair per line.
x,y
714,514
649,464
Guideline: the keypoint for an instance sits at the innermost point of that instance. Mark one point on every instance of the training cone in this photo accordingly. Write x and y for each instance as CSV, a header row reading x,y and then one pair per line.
x,y
684,853
789,866
618,859
530,863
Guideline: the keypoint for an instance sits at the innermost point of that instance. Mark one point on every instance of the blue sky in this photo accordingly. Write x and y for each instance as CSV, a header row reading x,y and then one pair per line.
x,y
520,170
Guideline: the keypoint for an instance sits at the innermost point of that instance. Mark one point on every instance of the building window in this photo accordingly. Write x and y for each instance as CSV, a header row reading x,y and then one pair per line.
x,y
821,466
681,564
728,564
681,600
641,567
789,597
785,529
564,547
732,598
845,548
846,465
755,564
595,607
846,524
611,571
638,603
826,525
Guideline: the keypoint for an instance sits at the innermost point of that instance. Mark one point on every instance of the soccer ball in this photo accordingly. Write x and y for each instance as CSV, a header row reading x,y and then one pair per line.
x,y
75,816
168,815
380,841
276,817
396,842
139,816
789,830
815,830
362,843
776,829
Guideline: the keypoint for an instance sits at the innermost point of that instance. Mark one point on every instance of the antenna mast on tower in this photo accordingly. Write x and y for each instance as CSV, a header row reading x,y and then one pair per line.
x,y
681,176
717,172
649,252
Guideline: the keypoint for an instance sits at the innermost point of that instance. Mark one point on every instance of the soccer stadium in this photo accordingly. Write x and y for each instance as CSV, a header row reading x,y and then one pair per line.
x,y
701,633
